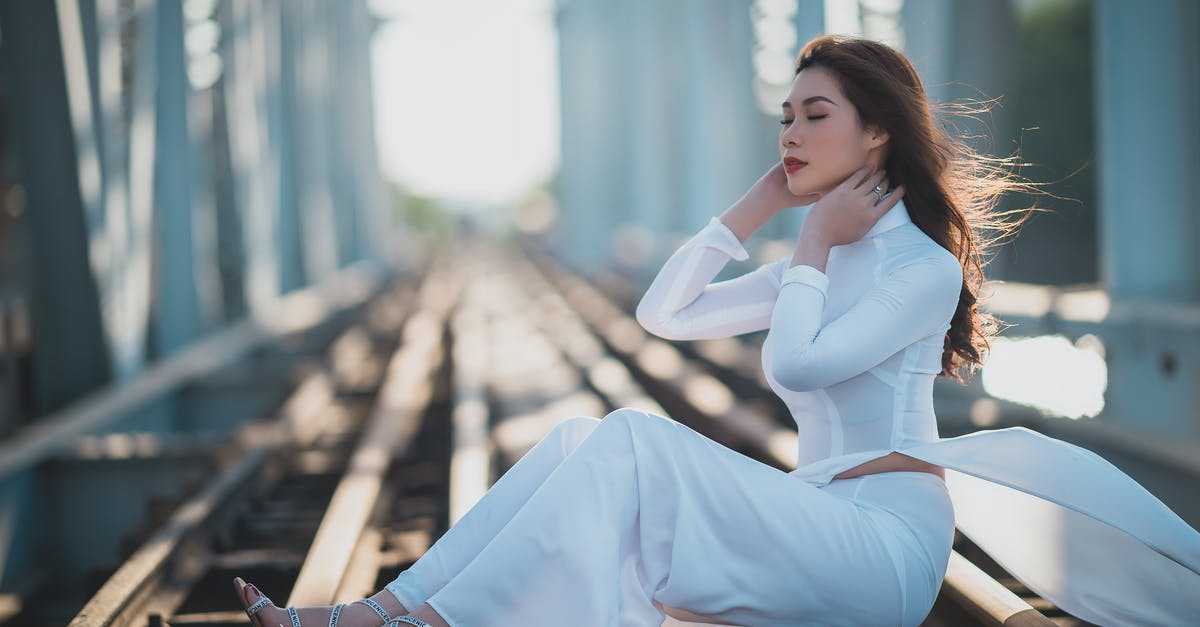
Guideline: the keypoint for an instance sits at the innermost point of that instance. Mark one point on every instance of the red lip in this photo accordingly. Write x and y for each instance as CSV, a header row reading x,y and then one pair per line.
x,y
792,164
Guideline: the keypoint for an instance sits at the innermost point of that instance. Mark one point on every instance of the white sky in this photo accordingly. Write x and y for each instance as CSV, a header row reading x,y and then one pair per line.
x,y
466,97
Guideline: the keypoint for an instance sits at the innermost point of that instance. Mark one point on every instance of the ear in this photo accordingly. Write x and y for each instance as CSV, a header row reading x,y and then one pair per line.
x,y
877,136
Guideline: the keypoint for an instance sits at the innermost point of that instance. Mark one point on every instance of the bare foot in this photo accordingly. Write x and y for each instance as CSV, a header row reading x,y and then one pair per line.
x,y
427,614
352,615
390,604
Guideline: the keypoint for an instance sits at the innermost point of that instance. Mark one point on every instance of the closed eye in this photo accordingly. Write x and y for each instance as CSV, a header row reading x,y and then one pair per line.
x,y
811,117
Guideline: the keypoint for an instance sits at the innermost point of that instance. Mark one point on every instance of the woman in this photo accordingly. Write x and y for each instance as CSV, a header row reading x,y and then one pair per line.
x,y
623,520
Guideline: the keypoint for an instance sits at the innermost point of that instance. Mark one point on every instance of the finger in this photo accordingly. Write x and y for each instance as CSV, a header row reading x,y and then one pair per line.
x,y
861,176
891,199
873,181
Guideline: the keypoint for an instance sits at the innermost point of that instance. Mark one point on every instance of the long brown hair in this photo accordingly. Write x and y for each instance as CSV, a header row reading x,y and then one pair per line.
x,y
951,190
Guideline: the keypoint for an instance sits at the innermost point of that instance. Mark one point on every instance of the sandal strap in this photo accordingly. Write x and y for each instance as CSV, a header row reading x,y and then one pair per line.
x,y
257,607
295,617
375,606
408,619
333,616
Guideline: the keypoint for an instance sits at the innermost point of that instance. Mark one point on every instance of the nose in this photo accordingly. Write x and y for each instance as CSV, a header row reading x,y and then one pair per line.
x,y
788,138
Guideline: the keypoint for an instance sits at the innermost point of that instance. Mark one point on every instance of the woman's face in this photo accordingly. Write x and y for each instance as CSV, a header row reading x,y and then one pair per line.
x,y
821,127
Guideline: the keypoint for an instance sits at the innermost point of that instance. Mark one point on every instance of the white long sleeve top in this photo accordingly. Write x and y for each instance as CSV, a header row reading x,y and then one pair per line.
x,y
853,352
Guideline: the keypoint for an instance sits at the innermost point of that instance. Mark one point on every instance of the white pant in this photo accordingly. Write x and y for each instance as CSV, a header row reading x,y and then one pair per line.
x,y
604,521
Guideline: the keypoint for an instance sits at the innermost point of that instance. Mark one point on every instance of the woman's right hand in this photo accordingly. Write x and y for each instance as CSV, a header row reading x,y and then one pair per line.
x,y
768,196
772,189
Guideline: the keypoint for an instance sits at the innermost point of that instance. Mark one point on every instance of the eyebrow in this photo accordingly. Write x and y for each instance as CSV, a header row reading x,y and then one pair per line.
x,y
809,100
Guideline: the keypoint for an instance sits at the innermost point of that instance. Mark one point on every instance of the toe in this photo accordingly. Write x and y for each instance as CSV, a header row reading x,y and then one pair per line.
x,y
252,593
267,615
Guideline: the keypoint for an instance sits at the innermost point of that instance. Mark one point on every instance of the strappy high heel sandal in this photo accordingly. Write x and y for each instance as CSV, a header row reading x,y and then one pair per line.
x,y
240,586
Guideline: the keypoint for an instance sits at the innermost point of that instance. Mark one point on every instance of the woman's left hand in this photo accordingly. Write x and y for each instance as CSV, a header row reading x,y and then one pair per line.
x,y
845,214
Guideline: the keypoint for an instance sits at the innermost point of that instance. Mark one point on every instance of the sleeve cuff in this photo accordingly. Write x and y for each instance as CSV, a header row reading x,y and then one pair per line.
x,y
723,239
807,275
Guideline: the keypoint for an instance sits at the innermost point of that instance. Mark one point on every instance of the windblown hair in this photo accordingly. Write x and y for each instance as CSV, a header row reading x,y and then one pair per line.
x,y
951,190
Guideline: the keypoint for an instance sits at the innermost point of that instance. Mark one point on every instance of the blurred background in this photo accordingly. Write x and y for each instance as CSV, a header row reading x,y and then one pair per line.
x,y
174,173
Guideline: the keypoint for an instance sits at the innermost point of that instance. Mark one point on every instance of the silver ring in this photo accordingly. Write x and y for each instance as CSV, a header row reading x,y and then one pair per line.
x,y
878,193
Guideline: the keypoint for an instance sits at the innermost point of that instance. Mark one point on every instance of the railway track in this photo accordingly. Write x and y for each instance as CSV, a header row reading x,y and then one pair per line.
x,y
399,428
321,496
